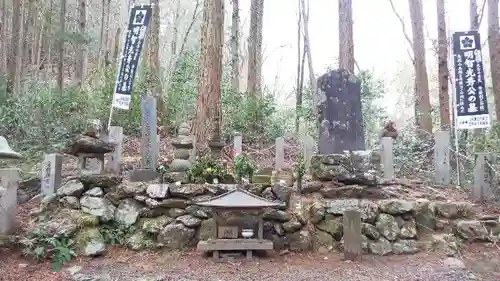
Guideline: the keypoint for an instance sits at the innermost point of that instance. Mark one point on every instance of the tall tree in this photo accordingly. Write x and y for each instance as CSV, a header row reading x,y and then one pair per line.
x,y
81,67
473,15
346,39
16,67
3,43
154,58
254,82
62,30
493,43
423,106
444,100
208,99
235,46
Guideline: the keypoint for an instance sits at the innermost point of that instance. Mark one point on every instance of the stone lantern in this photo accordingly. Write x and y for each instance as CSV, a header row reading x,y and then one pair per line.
x,y
9,178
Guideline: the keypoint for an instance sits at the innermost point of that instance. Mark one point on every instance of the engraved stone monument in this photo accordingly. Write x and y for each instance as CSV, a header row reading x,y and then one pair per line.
x,y
9,179
149,142
339,113
51,173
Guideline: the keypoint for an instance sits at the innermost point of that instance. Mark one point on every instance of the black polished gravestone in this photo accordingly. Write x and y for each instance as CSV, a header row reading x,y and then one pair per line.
x,y
339,113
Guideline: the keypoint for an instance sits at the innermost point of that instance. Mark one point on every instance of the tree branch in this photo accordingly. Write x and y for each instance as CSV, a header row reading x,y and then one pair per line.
x,y
480,19
403,26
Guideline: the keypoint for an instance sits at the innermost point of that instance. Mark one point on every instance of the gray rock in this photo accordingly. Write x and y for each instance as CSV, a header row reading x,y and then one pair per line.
x,y
157,191
370,231
133,188
176,236
96,192
317,211
90,242
71,188
189,221
152,203
425,216
300,241
127,212
387,226
408,229
396,206
187,190
282,192
368,209
380,247
154,225
454,210
173,203
292,226
472,230
405,247
311,186
70,202
198,212
176,212
358,167
141,198
207,229
99,207
276,215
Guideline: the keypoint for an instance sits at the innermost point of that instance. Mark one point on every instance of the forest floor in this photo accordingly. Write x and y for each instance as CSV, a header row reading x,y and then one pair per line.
x,y
479,262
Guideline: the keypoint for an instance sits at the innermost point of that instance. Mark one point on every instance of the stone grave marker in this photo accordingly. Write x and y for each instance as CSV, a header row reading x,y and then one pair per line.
x,y
149,142
114,158
51,173
352,234
483,177
387,158
308,147
238,144
9,179
339,113
279,161
442,157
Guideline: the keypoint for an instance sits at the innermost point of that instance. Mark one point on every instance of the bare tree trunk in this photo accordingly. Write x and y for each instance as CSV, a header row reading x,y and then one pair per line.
x,y
116,49
298,90
208,108
346,39
444,100
493,43
106,33
235,47
473,15
28,32
102,46
17,46
60,62
307,43
47,43
81,68
3,43
254,82
421,77
38,45
154,58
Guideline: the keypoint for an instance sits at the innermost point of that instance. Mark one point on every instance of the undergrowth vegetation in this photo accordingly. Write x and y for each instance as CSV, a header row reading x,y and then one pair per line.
x,y
43,119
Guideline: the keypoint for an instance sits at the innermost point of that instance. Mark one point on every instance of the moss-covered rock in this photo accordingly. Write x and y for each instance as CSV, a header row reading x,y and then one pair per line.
x,y
90,242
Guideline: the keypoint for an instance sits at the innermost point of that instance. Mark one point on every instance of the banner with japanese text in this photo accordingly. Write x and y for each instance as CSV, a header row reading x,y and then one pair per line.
x,y
470,93
134,39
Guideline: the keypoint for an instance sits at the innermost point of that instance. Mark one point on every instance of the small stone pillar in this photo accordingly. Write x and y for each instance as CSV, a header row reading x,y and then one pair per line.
x,y
180,165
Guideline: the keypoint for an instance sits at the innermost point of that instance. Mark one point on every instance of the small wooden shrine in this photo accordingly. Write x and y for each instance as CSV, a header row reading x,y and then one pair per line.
x,y
231,238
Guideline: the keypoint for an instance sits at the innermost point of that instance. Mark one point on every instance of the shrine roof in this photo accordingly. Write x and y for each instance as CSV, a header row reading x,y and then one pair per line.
x,y
237,198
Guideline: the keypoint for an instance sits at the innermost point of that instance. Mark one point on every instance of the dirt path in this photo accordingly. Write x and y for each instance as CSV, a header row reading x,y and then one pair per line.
x,y
482,263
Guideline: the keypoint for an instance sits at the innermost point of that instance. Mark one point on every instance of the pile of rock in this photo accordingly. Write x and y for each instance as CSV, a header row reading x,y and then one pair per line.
x,y
164,215
161,214
395,225
181,164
